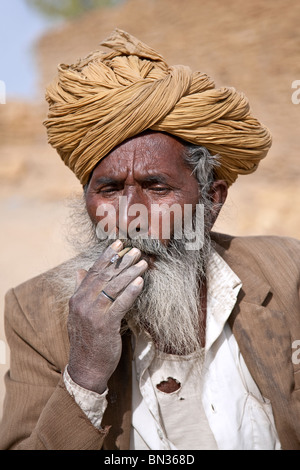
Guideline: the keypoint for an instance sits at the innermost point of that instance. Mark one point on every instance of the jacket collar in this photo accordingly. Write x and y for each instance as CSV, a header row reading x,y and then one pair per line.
x,y
255,289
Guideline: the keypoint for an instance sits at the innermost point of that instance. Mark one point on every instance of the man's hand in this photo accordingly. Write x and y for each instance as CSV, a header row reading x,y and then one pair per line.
x,y
95,320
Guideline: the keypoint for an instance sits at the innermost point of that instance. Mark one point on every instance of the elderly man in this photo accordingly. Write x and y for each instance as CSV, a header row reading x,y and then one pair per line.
x,y
149,340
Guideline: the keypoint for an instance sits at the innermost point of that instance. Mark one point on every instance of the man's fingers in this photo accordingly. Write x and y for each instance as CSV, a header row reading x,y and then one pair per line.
x,y
107,255
115,258
113,278
110,270
113,288
129,258
126,299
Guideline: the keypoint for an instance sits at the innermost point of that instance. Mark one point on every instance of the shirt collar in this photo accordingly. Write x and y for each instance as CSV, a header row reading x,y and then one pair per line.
x,y
223,286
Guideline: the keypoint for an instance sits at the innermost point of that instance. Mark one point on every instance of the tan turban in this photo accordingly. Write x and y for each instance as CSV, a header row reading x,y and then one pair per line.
x,y
100,101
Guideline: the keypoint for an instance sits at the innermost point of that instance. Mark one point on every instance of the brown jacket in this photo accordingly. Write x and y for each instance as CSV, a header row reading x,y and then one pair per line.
x,y
40,414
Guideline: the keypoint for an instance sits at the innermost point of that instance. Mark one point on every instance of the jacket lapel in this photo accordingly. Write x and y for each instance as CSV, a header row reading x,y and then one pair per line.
x,y
265,343
264,339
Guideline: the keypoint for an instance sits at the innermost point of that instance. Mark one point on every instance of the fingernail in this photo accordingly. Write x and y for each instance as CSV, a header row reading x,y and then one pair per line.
x,y
133,252
142,263
138,281
116,245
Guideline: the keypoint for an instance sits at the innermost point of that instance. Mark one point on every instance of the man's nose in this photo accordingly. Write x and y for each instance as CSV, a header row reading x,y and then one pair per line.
x,y
133,214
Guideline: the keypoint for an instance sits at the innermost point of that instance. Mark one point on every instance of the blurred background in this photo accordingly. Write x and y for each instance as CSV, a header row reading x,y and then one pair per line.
x,y
253,46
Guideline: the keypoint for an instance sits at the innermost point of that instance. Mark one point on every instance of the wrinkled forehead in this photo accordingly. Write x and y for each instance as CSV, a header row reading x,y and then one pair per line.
x,y
151,153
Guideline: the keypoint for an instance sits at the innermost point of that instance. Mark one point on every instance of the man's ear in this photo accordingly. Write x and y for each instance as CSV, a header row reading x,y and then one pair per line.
x,y
218,194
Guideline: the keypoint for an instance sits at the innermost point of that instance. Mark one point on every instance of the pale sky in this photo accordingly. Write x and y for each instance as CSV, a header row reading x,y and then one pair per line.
x,y
20,26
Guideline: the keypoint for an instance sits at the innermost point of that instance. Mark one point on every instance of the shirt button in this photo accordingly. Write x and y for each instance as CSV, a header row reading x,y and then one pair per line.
x,y
213,408
160,434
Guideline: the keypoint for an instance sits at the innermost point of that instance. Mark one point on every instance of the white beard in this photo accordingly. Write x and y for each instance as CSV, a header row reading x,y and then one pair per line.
x,y
169,307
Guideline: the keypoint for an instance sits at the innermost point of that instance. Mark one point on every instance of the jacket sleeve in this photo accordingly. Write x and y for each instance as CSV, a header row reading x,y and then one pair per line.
x,y
39,413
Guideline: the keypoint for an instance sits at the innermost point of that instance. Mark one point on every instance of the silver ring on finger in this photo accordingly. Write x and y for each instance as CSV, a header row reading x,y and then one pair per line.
x,y
107,296
114,259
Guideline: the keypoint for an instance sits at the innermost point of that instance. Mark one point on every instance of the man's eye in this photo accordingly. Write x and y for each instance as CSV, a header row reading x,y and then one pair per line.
x,y
159,189
107,190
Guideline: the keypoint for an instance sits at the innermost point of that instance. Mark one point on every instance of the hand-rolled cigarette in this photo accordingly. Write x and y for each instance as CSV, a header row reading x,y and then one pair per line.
x,y
123,252
120,254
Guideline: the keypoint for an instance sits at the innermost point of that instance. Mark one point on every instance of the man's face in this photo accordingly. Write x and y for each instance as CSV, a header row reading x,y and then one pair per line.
x,y
148,170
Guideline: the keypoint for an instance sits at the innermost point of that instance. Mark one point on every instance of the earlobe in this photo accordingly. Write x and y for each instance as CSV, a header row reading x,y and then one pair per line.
x,y
218,195
219,190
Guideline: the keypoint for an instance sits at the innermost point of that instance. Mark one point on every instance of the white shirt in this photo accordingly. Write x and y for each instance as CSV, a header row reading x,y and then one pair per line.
x,y
222,407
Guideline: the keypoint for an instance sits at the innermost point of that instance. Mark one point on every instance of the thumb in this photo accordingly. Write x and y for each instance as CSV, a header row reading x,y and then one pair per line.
x,y
80,275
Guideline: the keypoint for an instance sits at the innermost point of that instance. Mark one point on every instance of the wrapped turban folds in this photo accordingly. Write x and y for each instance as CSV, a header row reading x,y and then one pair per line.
x,y
108,97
